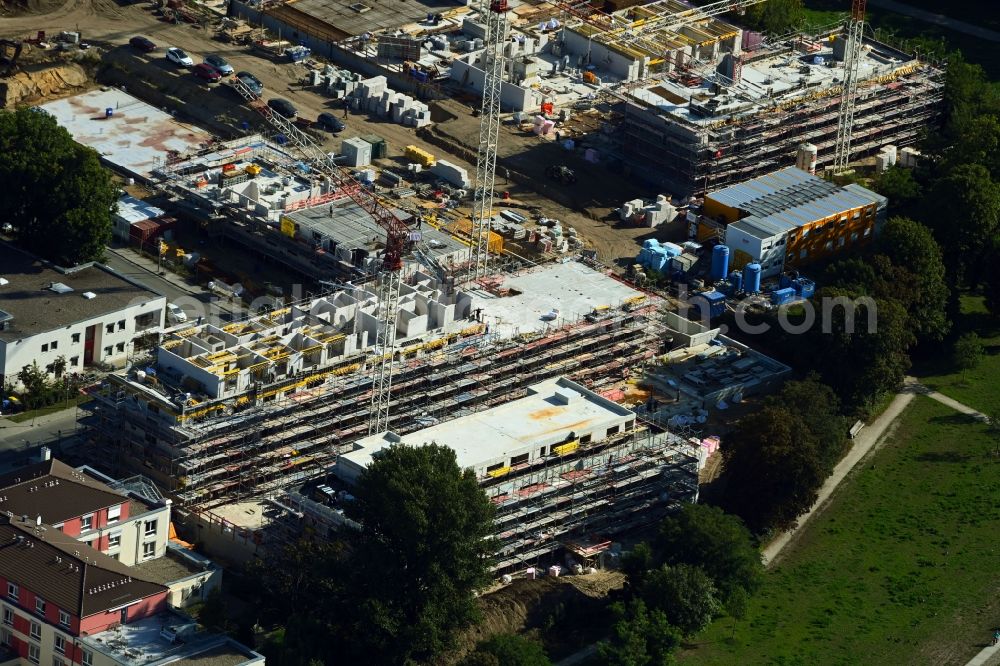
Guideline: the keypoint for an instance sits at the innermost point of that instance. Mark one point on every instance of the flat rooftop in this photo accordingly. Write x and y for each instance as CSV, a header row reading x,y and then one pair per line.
x,y
350,227
135,139
767,80
142,643
550,413
356,17
35,308
172,567
562,293
135,210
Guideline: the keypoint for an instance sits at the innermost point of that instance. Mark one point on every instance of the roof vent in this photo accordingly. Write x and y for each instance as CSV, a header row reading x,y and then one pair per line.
x,y
565,396
60,288
4,281
89,295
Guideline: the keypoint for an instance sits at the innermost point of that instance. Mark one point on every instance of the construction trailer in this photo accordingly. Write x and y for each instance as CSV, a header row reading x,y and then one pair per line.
x,y
704,125
561,465
258,406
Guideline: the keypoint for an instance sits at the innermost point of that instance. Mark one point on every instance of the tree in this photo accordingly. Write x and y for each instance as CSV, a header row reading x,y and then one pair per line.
x,y
775,16
508,650
716,541
979,143
212,614
37,386
637,562
916,259
991,286
968,351
58,197
901,188
774,469
684,593
861,363
639,637
966,210
737,605
423,550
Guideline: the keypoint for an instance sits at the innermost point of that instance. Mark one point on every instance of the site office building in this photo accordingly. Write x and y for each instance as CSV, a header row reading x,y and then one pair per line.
x,y
87,314
788,219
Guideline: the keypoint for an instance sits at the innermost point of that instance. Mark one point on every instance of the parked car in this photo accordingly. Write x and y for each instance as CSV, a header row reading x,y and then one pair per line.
x,y
178,57
219,64
142,43
330,123
251,82
206,72
283,107
175,314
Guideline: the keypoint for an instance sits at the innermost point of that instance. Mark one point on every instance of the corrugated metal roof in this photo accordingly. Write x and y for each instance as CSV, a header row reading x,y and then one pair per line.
x,y
789,198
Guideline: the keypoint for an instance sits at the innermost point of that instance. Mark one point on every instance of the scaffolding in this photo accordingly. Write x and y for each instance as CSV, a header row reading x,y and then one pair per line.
x,y
281,434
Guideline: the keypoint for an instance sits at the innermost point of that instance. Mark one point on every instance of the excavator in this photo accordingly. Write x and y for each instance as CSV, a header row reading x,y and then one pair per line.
x,y
10,51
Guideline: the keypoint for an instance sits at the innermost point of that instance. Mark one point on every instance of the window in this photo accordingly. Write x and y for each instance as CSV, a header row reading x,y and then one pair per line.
x,y
36,630
5,637
87,522
58,527
12,591
115,540
45,347
107,350
56,661
150,527
76,337
60,644
110,328
74,361
54,345
856,215
87,658
868,231
114,514
841,241
8,616
120,347
802,254
40,605
613,430
149,549
64,618
114,556
585,439
517,460
493,468
829,245
34,653
854,236
121,325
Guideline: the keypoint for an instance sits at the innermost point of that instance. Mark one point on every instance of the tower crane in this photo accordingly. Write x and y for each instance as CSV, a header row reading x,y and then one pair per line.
x,y
389,274
495,12
852,58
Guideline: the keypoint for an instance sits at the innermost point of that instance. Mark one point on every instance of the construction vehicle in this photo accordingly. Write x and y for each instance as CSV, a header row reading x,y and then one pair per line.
x,y
561,174
10,51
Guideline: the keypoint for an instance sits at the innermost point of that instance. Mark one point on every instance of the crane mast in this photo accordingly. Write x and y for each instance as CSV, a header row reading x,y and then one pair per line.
x,y
489,129
852,58
390,270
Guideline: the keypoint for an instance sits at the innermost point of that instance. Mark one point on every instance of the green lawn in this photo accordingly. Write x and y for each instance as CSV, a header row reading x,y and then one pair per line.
x,y
901,568
51,409
978,388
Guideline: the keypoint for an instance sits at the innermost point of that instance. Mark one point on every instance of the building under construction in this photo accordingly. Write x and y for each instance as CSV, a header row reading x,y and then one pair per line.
x,y
564,467
253,407
706,124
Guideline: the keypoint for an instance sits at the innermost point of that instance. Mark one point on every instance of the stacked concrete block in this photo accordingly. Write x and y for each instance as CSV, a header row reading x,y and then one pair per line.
x,y
451,173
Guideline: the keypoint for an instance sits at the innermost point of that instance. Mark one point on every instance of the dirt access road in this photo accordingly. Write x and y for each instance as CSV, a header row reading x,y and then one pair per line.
x,y
108,24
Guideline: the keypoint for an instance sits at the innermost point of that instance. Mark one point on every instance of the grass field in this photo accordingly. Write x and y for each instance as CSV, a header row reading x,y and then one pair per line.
x,y
980,387
51,409
901,568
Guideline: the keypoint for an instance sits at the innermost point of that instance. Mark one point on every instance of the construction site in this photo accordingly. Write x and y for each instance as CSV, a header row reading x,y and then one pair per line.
x,y
269,403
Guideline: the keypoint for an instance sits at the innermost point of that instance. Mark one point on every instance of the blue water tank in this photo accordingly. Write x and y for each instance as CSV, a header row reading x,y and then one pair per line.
x,y
751,278
720,262
736,279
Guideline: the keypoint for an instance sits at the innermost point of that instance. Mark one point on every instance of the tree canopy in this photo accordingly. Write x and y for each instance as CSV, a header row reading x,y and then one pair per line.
x,y
966,214
57,196
717,541
684,593
423,550
775,16
639,637
777,458
508,650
